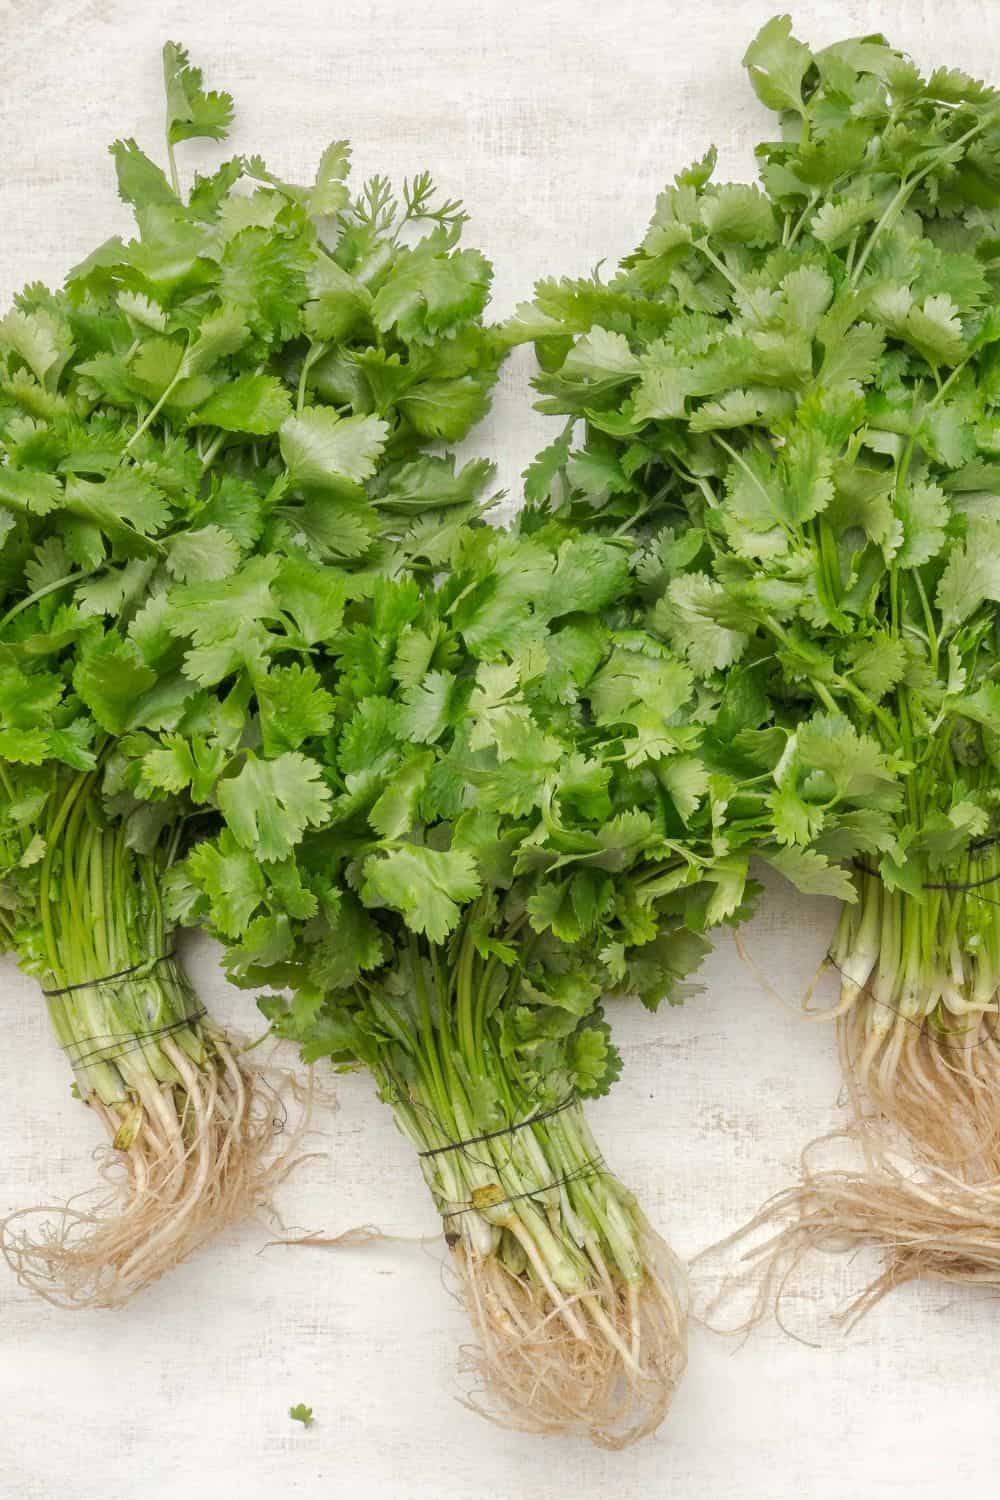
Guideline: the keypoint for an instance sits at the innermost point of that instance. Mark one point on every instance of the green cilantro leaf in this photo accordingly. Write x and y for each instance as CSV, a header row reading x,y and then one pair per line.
x,y
426,885
191,112
270,803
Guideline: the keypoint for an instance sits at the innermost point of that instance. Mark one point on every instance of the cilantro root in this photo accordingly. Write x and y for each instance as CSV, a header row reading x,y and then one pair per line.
x,y
192,1144
202,1158
919,1046
602,1354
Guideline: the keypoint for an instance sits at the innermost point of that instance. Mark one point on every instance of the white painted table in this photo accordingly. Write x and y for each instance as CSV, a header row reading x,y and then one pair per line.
x,y
557,120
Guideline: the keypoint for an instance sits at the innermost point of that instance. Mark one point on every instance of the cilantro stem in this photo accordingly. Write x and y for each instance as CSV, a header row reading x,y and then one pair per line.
x,y
789,241
313,353
942,389
723,270
209,456
172,162
155,410
628,525
907,187
426,1020
851,252
932,637
464,998
50,588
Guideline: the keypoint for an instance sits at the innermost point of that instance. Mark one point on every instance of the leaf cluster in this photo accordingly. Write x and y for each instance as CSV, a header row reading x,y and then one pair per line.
x,y
789,394
209,437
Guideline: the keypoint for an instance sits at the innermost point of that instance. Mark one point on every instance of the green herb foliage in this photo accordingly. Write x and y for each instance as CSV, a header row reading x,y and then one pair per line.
x,y
201,434
793,388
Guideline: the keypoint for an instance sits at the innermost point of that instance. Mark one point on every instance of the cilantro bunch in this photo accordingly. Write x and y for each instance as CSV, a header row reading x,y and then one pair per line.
x,y
526,813
205,436
794,388
495,857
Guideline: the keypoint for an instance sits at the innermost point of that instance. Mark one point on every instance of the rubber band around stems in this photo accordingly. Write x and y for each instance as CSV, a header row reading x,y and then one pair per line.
x,y
963,887
922,1025
592,1168
115,1044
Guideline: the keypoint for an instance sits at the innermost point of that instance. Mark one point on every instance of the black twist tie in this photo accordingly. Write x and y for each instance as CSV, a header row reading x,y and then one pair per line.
x,y
967,886
492,1135
110,1046
85,984
595,1167
922,1024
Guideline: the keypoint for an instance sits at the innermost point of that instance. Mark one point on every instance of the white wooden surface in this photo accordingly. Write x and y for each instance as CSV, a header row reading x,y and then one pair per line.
x,y
557,120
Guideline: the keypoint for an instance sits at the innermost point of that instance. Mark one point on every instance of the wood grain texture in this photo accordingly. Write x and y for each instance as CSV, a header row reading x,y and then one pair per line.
x,y
558,121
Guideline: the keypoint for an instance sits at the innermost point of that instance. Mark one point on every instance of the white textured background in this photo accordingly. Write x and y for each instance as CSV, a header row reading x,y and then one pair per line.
x,y
557,120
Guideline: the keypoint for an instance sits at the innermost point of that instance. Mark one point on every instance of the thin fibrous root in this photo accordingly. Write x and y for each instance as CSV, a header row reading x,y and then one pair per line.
x,y
940,1092
927,1193
534,1374
206,1155
933,1226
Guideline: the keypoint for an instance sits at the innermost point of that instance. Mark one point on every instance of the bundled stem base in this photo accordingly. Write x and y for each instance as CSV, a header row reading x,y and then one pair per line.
x,y
579,1310
191,1127
578,1307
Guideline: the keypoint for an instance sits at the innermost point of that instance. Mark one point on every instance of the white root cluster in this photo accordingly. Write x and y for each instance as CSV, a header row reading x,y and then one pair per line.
x,y
604,1363
927,1119
926,1192
191,1160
